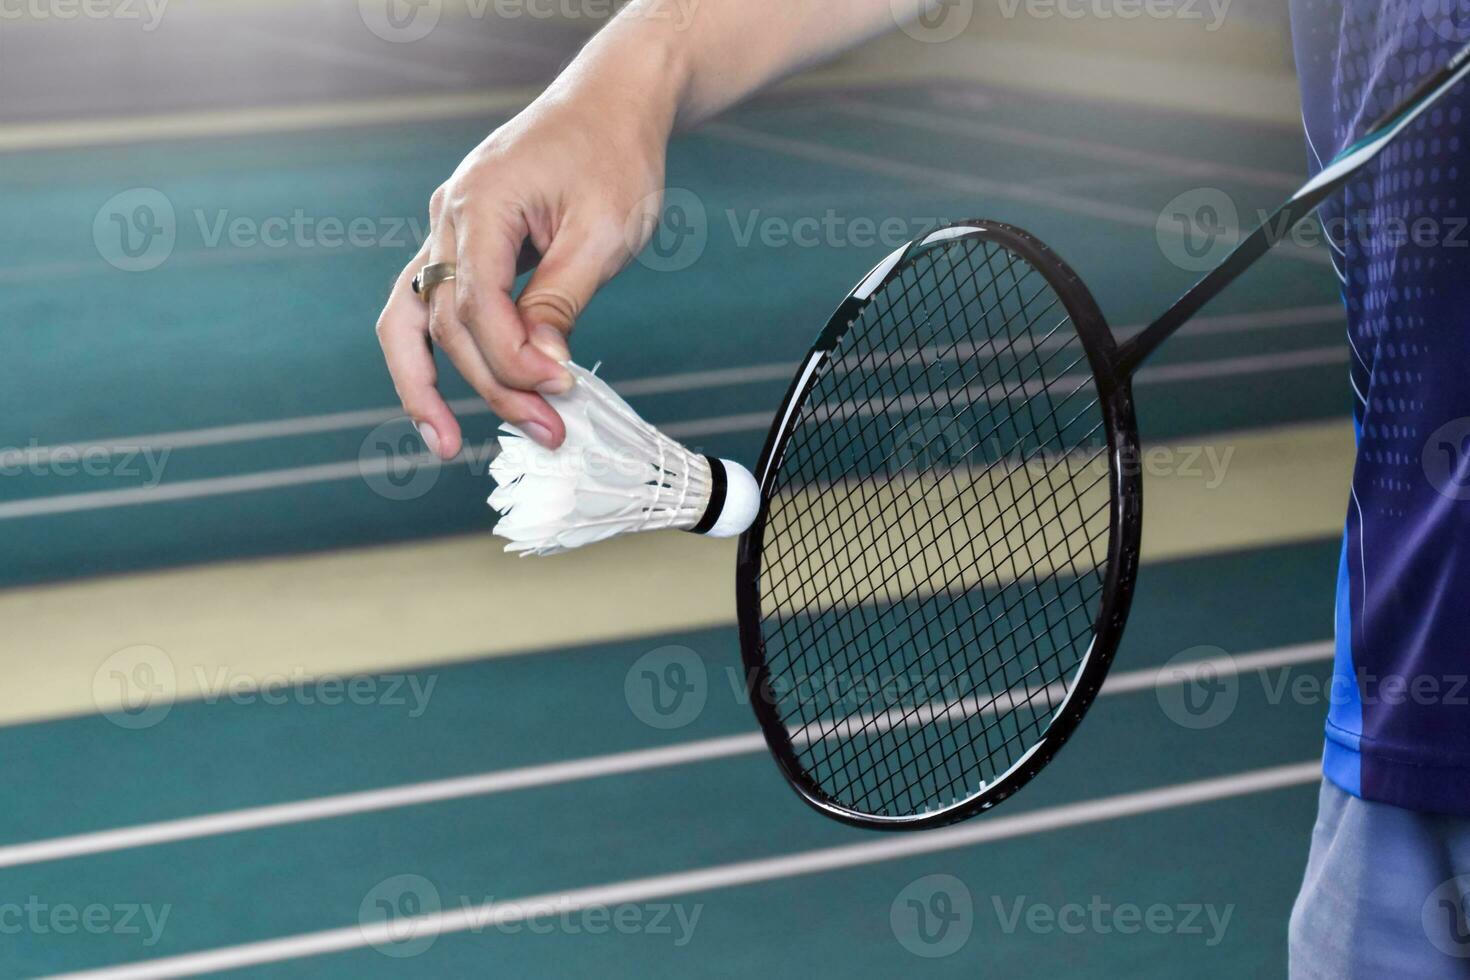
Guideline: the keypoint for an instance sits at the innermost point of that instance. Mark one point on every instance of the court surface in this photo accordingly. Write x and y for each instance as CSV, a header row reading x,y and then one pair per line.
x,y
214,520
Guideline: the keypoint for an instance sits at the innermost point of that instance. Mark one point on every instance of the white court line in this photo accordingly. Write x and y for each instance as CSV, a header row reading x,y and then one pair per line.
x,y
529,777
336,421
1250,364
1077,382
733,875
1096,182
65,268
1013,136
634,387
952,123
68,503
967,183
214,486
898,169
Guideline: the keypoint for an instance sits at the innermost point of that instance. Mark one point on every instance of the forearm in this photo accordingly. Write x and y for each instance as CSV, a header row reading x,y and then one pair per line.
x,y
683,61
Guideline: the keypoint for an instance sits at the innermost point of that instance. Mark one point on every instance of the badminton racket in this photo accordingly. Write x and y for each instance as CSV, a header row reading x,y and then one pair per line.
x,y
948,536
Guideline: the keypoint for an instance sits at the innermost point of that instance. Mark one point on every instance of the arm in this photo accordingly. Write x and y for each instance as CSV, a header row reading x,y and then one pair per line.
x,y
724,50
579,173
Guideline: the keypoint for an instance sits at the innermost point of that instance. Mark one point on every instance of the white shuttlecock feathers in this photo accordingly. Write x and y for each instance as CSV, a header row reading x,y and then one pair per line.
x,y
614,474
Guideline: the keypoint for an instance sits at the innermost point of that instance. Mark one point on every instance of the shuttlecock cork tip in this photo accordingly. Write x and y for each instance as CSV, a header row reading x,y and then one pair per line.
x,y
734,500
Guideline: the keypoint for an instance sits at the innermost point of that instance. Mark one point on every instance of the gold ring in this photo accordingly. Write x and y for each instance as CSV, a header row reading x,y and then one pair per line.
x,y
430,276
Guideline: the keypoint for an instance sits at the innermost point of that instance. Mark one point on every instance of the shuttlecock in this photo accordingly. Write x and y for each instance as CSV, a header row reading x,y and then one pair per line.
x,y
614,474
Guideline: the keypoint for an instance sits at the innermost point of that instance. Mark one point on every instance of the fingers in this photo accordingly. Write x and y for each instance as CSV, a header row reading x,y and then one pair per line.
x,y
488,246
577,263
512,353
403,329
527,410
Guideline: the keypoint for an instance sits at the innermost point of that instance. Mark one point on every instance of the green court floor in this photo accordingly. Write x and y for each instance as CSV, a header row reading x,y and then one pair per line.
x,y
221,335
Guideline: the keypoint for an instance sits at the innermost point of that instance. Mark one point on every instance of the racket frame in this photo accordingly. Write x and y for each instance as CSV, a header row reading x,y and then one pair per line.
x,y
1112,366
1115,401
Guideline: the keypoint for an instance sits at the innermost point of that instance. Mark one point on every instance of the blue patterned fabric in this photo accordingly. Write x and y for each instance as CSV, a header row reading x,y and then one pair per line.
x,y
1398,727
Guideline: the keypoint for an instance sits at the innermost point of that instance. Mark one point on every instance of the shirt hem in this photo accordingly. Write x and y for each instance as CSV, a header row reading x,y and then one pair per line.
x,y
1429,787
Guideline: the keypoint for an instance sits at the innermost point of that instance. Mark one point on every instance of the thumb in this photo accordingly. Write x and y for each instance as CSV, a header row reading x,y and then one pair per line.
x,y
569,274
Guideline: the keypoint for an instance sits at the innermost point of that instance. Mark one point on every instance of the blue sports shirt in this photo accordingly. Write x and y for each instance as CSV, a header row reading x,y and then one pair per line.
x,y
1398,725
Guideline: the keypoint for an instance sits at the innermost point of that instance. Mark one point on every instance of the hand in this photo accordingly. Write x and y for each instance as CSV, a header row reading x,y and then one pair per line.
x,y
576,177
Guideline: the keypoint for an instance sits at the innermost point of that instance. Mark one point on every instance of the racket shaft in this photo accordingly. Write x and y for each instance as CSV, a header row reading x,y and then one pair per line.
x,y
1331,177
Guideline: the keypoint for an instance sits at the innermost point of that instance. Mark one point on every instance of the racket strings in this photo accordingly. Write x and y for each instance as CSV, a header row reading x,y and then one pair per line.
x,y
984,578
926,444
957,574
980,708
913,403
984,708
988,708
1017,283
953,522
1007,450
888,405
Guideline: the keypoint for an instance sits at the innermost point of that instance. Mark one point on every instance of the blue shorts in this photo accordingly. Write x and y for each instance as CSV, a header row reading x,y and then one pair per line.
x,y
1385,894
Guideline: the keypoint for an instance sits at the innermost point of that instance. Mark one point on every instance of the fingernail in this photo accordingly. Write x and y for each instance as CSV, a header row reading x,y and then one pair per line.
x,y
551,342
559,385
538,432
430,437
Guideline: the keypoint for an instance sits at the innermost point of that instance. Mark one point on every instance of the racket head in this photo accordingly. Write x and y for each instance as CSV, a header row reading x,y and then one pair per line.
x,y
902,759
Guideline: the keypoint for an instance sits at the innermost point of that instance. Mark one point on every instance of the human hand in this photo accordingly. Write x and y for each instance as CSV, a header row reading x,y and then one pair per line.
x,y
577,179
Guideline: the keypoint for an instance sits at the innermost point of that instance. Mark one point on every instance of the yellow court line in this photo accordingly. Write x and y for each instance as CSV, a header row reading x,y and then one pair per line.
x,y
407,606
1207,89
894,59
314,117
